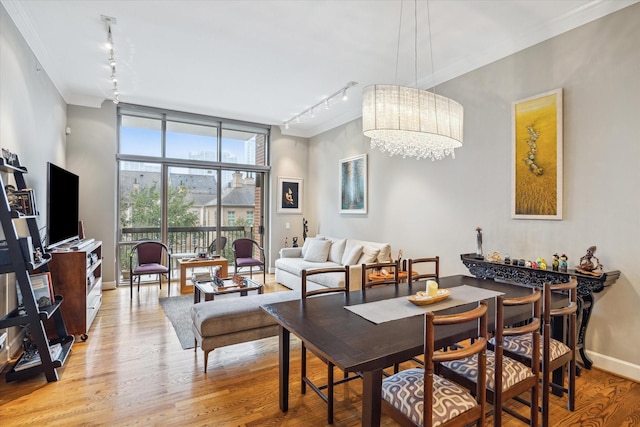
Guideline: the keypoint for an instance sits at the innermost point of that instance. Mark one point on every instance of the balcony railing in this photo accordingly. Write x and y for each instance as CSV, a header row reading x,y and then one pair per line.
x,y
183,241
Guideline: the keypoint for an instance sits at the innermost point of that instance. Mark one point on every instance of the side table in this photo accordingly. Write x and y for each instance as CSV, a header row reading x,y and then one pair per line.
x,y
186,263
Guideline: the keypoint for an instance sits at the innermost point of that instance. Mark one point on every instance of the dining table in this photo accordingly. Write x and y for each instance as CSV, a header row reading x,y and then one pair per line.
x,y
355,344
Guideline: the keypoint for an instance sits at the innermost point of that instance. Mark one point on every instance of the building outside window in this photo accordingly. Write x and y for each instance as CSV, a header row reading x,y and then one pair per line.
x,y
181,175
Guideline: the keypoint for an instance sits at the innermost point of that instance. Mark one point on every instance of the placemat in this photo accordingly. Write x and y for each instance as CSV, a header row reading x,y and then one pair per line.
x,y
399,308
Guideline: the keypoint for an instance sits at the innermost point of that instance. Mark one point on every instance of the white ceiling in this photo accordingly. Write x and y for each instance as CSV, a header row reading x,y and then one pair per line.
x,y
267,61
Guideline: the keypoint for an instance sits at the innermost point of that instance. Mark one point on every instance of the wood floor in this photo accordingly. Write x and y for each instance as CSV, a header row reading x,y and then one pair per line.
x,y
132,371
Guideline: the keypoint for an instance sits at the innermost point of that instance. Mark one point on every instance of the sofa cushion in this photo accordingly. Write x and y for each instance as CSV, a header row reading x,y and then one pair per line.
x,y
369,254
352,255
318,251
307,242
230,315
385,250
296,265
337,250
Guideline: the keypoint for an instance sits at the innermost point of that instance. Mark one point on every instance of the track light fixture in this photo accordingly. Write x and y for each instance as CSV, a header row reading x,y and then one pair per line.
x,y
326,102
109,22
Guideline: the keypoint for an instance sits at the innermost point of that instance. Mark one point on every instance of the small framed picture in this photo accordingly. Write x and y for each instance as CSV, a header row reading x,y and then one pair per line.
x,y
289,195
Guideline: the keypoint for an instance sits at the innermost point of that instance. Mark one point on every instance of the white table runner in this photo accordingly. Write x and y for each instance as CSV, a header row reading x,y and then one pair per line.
x,y
399,308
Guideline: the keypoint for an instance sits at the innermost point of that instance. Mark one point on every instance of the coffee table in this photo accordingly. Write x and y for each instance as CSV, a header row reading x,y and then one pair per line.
x,y
209,290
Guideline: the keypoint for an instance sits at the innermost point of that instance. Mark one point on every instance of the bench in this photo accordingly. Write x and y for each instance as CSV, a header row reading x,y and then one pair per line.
x,y
228,321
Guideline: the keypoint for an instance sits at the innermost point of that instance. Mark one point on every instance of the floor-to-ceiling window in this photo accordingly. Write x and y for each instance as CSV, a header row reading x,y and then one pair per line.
x,y
192,181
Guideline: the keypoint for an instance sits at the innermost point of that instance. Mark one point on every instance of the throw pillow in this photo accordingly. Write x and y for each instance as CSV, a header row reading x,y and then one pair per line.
x,y
307,242
352,257
317,251
337,250
369,255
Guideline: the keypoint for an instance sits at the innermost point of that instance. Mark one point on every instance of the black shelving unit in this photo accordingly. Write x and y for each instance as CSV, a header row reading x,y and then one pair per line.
x,y
30,314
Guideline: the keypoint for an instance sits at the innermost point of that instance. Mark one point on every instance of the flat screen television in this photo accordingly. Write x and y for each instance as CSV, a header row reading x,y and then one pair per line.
x,y
63,194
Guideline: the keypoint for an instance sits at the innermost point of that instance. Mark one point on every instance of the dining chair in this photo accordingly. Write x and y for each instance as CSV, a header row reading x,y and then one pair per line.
x,y
413,275
149,257
244,251
554,354
420,397
379,274
321,290
506,378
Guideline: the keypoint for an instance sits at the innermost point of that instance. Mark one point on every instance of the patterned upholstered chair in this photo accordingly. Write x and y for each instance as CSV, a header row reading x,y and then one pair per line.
x,y
506,378
149,257
554,354
418,397
328,398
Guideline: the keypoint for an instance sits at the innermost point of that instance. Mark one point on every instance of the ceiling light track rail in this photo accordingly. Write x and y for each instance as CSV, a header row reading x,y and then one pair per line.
x,y
325,103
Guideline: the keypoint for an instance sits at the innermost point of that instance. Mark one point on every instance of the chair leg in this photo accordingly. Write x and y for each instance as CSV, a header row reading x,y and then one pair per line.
x,y
572,385
546,391
131,284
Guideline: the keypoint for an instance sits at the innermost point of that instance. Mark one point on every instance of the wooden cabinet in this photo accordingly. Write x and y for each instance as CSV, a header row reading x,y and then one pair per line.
x,y
77,276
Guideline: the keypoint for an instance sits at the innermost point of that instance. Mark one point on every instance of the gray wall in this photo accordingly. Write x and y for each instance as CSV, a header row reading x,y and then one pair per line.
x,y
91,153
432,208
32,122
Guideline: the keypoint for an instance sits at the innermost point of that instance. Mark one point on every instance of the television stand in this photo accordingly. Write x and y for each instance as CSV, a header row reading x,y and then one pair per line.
x,y
81,244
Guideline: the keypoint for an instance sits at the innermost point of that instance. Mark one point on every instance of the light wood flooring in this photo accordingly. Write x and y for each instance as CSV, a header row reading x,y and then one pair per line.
x,y
132,371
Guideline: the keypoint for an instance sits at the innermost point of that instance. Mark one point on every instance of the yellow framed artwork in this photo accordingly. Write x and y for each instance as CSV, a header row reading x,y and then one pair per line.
x,y
537,157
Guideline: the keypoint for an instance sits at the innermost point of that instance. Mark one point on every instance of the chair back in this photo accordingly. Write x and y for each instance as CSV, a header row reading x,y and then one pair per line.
x,y
532,326
150,252
372,275
434,271
567,314
218,244
243,247
569,310
340,270
478,346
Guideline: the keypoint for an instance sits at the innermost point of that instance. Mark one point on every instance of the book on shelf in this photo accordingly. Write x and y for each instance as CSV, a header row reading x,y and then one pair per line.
x,y
42,287
33,359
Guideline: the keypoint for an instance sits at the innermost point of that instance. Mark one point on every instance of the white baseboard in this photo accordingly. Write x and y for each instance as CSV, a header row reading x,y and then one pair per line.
x,y
108,285
615,366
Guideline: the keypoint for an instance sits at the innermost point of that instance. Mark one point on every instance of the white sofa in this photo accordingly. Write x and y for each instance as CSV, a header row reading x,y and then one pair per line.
x,y
325,252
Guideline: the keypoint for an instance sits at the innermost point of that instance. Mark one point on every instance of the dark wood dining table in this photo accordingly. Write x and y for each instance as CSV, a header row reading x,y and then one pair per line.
x,y
355,344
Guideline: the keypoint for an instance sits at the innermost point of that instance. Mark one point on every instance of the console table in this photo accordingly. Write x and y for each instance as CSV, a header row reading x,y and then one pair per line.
x,y
587,286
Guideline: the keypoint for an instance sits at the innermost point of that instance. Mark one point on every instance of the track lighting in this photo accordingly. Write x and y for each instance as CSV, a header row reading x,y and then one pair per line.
x,y
109,21
311,111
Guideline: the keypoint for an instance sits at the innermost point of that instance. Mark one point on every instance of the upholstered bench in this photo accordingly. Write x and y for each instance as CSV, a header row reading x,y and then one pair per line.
x,y
234,320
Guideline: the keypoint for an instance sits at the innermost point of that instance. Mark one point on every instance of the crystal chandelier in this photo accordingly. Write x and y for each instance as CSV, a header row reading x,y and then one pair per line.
x,y
411,122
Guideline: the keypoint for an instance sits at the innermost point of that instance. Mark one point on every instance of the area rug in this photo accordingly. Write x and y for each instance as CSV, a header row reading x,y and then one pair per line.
x,y
178,310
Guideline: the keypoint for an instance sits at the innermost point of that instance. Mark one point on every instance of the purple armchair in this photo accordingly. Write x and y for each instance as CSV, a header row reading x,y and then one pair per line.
x,y
151,257
243,251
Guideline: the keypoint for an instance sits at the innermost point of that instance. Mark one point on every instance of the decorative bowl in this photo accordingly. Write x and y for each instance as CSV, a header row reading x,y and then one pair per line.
x,y
421,298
